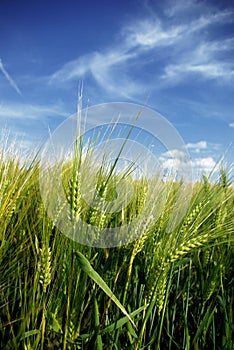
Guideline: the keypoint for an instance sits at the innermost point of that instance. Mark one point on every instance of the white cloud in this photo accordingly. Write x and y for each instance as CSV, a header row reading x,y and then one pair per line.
x,y
29,111
203,56
172,164
107,68
150,34
197,145
189,8
178,161
9,78
115,69
204,165
94,63
231,125
192,168
200,144
219,17
176,7
204,51
175,153
213,70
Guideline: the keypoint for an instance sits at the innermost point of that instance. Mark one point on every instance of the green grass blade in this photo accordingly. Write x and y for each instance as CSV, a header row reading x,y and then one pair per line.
x,y
87,268
98,344
116,325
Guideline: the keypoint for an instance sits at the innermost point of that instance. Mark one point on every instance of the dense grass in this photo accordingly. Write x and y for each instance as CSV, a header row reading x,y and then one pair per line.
x,y
163,291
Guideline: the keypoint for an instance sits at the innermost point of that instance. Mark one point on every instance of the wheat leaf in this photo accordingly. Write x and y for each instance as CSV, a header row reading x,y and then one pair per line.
x,y
87,268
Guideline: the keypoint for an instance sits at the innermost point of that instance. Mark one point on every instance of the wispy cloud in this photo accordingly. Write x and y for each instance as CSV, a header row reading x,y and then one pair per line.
x,y
149,34
175,8
104,68
231,125
213,70
30,111
115,68
204,60
9,78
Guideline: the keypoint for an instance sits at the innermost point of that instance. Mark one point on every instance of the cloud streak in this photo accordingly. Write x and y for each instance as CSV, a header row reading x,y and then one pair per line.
x,y
104,68
9,79
30,111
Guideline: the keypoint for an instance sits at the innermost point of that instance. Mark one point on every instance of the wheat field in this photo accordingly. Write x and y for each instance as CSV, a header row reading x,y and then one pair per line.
x,y
164,290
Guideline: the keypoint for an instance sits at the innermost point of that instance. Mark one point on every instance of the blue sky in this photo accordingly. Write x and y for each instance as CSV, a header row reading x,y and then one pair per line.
x,y
176,55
